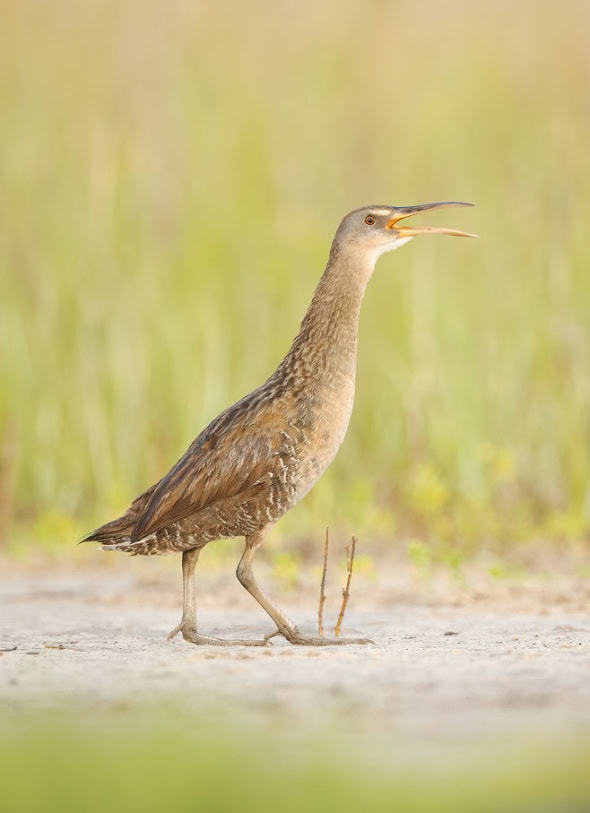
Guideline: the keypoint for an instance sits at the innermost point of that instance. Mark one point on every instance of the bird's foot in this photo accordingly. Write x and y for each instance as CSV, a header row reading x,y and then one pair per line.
x,y
190,634
294,636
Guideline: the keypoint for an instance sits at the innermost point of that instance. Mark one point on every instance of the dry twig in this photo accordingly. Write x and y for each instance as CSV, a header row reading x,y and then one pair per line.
x,y
323,590
346,591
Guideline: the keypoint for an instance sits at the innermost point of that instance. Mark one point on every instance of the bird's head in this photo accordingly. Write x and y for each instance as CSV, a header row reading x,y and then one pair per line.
x,y
377,229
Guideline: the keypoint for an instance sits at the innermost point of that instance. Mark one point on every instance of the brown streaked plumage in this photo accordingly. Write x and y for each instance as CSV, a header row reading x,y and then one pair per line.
x,y
257,459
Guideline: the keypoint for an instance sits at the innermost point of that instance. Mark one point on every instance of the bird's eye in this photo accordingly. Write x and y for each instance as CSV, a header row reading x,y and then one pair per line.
x,y
369,220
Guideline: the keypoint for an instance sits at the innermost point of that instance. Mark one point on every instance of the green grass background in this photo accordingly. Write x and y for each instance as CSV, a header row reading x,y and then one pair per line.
x,y
171,176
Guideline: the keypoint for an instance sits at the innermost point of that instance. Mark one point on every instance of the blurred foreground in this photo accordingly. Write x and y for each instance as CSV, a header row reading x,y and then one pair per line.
x,y
137,762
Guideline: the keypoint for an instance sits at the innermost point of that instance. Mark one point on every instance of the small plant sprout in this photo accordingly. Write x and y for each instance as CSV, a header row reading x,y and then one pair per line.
x,y
350,549
323,587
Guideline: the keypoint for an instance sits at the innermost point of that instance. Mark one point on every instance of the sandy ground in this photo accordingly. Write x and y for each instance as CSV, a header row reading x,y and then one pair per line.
x,y
475,659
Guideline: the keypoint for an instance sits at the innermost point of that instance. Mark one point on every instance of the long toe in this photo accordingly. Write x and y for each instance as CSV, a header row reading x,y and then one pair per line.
x,y
175,631
191,635
300,639
208,639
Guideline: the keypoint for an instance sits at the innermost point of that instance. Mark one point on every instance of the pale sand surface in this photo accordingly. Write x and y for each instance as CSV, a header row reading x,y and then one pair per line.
x,y
464,659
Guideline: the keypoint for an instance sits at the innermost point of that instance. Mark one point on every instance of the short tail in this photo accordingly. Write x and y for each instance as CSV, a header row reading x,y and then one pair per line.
x,y
116,534
110,533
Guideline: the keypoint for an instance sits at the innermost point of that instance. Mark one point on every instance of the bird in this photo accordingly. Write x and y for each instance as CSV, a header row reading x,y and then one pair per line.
x,y
262,455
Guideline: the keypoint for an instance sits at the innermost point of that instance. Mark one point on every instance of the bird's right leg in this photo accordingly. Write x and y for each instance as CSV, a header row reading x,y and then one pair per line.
x,y
285,626
188,623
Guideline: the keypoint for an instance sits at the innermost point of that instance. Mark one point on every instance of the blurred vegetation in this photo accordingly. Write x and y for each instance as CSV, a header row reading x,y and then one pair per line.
x,y
47,764
172,175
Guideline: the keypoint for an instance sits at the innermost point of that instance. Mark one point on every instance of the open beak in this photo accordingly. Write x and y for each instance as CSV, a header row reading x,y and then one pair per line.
x,y
402,212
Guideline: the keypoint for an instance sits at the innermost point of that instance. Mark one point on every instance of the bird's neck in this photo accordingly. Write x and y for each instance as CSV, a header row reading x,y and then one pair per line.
x,y
326,345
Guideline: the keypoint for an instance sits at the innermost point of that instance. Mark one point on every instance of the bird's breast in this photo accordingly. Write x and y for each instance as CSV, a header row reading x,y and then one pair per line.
x,y
323,421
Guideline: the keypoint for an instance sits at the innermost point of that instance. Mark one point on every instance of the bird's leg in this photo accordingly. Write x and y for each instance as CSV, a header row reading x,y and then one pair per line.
x,y
188,623
285,626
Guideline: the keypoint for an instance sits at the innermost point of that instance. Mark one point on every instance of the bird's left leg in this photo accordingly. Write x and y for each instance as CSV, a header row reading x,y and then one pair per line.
x,y
188,623
285,626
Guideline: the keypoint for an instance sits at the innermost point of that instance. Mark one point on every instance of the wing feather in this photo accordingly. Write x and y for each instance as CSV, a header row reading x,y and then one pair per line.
x,y
233,455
